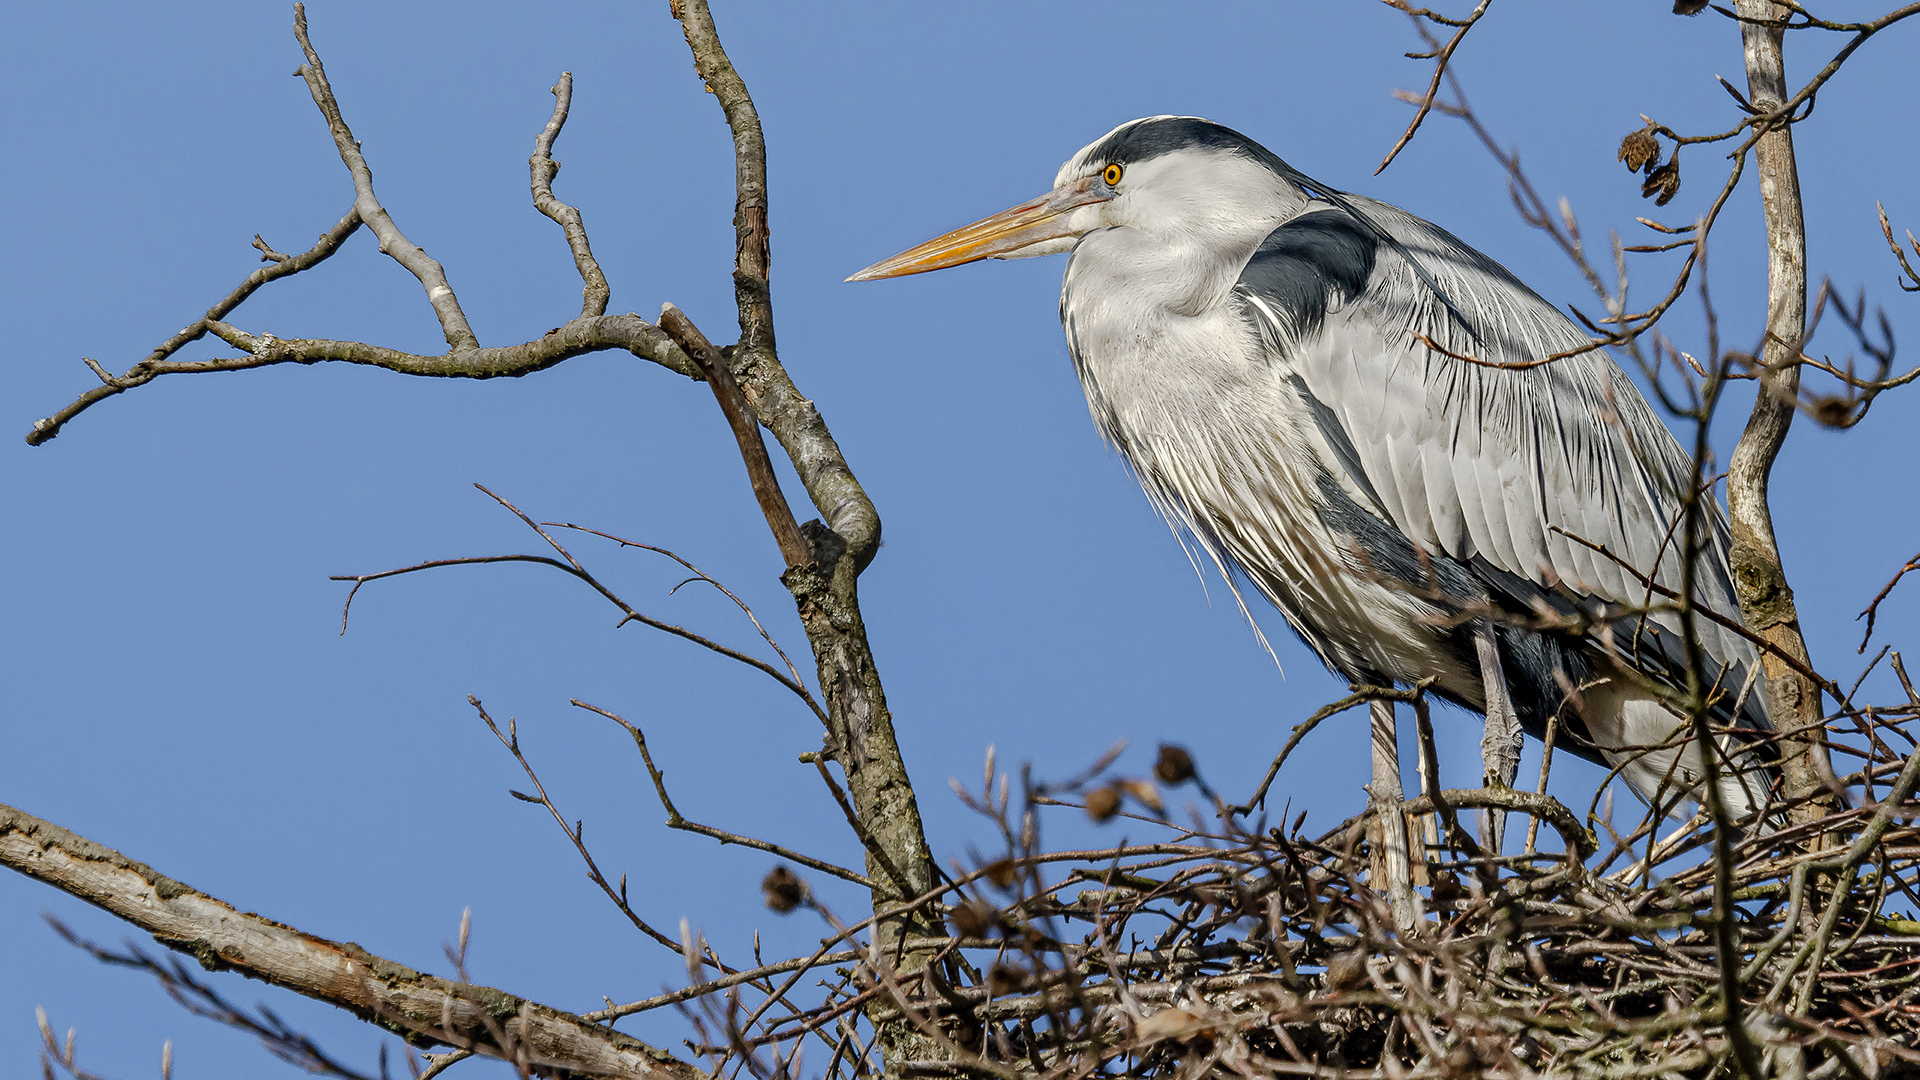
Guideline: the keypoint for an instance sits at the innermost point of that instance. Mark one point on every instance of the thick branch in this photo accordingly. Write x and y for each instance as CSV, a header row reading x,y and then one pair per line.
x,y
421,1007
453,321
825,591
752,257
1759,579
544,169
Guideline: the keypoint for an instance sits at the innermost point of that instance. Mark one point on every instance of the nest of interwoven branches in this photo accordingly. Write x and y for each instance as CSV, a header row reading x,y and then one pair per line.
x,y
1233,946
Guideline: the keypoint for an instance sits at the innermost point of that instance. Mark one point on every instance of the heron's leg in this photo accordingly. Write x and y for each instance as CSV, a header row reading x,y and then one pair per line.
x,y
1390,822
1500,746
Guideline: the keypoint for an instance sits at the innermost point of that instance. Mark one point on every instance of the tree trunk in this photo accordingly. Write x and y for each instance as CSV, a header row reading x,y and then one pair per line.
x,y
1766,602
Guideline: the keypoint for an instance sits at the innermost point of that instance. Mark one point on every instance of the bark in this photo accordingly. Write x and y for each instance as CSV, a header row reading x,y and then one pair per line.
x,y
826,592
1759,579
418,1007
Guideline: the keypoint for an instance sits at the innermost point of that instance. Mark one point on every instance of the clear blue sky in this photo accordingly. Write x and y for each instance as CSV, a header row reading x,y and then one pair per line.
x,y
172,680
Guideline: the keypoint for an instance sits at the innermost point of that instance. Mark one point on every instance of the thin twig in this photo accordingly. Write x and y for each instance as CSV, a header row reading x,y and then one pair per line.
x,y
155,362
1873,608
1441,57
675,821
573,567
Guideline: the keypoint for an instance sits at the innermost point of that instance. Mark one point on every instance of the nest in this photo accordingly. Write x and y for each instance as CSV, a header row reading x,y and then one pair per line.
x,y
1260,951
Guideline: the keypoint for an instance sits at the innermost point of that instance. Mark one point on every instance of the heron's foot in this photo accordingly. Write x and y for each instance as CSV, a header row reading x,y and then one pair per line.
x,y
1500,750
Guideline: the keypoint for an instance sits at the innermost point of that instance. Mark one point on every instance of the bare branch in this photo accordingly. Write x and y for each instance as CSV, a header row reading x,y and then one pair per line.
x,y
1441,57
375,989
752,255
572,566
577,338
155,362
861,736
453,321
676,821
544,169
733,404
1873,609
1912,278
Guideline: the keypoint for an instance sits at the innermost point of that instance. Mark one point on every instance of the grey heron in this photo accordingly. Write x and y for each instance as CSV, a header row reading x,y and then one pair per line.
x,y
1309,384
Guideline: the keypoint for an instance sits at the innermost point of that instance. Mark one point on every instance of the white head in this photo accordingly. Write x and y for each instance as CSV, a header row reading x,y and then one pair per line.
x,y
1202,191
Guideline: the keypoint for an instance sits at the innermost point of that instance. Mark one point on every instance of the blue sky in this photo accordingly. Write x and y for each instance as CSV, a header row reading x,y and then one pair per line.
x,y
173,679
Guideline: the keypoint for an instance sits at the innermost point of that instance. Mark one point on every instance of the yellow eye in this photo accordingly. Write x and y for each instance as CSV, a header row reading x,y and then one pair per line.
x,y
1112,175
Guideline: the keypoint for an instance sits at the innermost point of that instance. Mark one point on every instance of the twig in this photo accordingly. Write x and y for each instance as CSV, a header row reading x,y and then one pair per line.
x,y
202,1000
155,362
675,821
1764,645
874,849
1441,56
1300,731
1873,608
1906,268
674,997
573,567
698,575
1507,365
574,833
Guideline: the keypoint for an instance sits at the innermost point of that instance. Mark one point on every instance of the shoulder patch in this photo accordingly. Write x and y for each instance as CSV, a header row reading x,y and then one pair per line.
x,y
1295,267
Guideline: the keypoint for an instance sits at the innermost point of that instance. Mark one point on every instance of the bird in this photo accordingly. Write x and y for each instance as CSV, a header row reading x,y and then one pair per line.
x,y
1427,468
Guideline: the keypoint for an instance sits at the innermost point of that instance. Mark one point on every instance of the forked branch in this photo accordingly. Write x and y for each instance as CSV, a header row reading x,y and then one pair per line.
x,y
393,243
593,331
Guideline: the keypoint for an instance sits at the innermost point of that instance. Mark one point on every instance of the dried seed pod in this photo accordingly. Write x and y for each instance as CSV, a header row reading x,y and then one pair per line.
x,y
973,918
1346,970
1006,979
1175,765
1831,410
783,890
1145,793
1689,7
1640,150
1664,182
1103,803
1003,873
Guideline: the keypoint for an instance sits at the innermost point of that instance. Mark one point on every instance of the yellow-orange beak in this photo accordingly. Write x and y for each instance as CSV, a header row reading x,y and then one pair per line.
x,y
1006,235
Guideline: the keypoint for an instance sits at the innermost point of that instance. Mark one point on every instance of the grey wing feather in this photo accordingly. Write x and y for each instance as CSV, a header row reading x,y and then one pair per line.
x,y
1480,463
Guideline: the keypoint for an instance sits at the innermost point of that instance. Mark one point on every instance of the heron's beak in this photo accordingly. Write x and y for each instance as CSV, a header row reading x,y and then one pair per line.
x,y
1008,234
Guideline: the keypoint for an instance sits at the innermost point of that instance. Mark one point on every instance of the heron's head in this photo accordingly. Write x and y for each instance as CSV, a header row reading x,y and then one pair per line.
x,y
1193,184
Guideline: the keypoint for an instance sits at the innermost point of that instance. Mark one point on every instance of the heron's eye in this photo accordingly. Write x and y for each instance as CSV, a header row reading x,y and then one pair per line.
x,y
1112,175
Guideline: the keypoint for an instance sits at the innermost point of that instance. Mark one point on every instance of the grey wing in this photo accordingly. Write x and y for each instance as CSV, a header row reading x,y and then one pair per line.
x,y
1498,468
